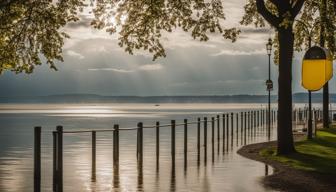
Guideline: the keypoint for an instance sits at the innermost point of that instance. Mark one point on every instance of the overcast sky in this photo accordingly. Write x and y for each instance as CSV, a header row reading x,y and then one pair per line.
x,y
95,64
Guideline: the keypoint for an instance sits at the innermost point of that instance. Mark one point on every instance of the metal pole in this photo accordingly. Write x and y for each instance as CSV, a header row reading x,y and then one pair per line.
x,y
310,125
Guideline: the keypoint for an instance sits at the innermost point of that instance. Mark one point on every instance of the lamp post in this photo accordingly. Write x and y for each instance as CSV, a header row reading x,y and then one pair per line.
x,y
269,85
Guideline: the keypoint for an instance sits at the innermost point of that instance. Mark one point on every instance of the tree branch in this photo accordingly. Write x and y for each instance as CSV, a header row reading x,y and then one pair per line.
x,y
296,7
267,15
275,2
7,3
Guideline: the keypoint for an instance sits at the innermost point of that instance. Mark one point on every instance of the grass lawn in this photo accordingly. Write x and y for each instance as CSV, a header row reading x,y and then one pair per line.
x,y
318,154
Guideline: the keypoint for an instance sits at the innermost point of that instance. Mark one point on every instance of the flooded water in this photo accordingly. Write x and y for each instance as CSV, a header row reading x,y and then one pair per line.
x,y
223,171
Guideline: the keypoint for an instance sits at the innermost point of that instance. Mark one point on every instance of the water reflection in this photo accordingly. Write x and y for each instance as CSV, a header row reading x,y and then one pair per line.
x,y
140,179
116,181
173,180
16,165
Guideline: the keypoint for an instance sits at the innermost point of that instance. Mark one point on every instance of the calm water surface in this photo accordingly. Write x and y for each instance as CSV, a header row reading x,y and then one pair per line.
x,y
227,171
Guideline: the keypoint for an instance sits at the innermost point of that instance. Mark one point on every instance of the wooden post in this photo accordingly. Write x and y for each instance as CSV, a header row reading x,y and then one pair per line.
x,y
185,143
237,128
252,123
218,133
262,119
249,123
213,138
54,160
59,186
271,116
173,125
93,155
157,143
116,147
255,123
37,159
140,144
245,128
198,139
258,121
232,129
205,138
137,143
227,131
241,127
223,116
265,120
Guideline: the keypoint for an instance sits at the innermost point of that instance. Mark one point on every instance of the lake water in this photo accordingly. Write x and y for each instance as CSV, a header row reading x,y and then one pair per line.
x,y
227,171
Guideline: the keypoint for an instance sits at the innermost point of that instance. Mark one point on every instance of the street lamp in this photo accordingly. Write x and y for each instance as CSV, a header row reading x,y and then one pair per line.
x,y
269,85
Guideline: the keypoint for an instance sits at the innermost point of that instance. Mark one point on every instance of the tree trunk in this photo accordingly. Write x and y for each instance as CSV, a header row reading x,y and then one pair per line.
x,y
285,135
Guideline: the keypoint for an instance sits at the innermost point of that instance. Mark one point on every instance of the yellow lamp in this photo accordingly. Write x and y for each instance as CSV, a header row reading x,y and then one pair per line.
x,y
317,68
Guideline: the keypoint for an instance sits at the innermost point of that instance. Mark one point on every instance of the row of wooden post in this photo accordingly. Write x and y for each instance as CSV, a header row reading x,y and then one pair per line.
x,y
249,121
302,114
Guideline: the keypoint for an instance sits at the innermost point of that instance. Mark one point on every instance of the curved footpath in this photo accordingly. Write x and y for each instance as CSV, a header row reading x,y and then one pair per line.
x,y
286,178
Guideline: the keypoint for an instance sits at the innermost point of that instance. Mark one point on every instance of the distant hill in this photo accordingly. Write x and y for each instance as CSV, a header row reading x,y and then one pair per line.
x,y
92,98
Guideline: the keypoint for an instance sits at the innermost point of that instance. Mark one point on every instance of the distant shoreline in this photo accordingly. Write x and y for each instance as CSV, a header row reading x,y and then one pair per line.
x,y
91,98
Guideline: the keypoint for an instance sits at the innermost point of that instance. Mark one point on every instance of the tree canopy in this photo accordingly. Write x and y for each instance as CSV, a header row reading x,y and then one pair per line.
x,y
307,24
142,22
30,32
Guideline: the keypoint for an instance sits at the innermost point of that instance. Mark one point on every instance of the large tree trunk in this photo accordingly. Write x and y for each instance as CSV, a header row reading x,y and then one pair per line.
x,y
285,135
